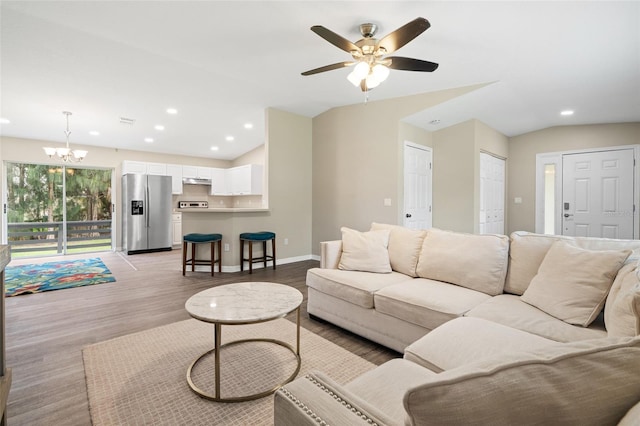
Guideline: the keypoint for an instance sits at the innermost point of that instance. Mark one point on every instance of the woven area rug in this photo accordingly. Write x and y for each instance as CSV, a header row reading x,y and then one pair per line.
x,y
34,278
140,379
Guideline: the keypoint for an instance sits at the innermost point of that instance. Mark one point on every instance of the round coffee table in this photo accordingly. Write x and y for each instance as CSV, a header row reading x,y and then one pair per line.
x,y
243,303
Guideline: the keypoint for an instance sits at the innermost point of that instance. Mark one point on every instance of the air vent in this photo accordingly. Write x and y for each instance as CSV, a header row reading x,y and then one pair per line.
x,y
127,121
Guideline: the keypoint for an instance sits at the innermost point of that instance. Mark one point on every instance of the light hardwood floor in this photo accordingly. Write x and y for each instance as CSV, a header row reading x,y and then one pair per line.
x,y
46,332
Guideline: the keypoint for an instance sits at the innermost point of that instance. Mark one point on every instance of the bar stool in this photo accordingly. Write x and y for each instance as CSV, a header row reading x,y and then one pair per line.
x,y
200,239
254,237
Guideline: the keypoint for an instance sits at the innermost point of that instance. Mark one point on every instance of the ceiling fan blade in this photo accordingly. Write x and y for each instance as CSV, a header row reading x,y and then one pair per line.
x,y
403,35
410,64
335,39
328,68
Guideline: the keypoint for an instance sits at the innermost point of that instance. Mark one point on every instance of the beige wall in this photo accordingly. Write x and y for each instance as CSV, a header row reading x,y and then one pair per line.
x,y
522,160
456,173
289,151
356,158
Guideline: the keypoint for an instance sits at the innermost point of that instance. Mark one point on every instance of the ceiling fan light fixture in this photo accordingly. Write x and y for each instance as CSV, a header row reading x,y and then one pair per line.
x,y
355,80
380,72
372,81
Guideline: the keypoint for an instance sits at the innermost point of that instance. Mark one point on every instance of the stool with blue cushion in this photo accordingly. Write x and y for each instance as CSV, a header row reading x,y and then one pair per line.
x,y
195,239
257,237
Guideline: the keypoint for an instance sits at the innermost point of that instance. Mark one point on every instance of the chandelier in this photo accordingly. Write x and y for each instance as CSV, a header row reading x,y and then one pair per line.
x,y
66,154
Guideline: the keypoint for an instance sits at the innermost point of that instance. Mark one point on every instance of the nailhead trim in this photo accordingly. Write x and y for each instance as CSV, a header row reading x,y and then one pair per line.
x,y
335,396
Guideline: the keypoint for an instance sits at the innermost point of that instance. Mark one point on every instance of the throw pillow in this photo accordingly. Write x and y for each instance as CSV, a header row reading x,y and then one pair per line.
x,y
404,247
365,251
593,382
477,262
622,310
572,283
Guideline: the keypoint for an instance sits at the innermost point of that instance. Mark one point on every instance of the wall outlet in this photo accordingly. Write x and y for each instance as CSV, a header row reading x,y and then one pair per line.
x,y
517,200
286,241
387,202
226,247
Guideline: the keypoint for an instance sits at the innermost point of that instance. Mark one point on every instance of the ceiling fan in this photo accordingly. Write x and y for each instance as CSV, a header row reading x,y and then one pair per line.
x,y
371,65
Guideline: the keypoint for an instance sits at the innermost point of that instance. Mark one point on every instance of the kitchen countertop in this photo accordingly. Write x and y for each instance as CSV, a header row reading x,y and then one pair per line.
x,y
222,210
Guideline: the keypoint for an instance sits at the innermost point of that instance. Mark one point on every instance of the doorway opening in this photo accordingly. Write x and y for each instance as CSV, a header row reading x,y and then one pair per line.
x,y
57,209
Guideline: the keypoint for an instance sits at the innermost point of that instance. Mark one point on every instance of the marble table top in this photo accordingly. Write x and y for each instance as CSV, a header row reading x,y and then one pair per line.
x,y
243,303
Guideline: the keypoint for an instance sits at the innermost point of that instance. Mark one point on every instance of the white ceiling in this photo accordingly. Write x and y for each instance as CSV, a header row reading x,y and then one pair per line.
x,y
222,63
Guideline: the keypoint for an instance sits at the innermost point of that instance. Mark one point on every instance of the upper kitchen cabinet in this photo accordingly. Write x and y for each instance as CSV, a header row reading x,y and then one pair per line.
x,y
138,167
196,172
245,180
144,168
219,182
175,171
159,169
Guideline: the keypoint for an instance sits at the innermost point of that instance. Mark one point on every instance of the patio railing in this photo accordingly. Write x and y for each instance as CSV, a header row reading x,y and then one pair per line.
x,y
39,237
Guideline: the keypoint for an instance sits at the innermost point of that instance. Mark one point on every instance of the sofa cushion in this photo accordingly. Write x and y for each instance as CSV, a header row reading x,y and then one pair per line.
x,y
572,284
384,386
426,303
581,383
404,247
622,310
365,251
477,262
352,286
528,250
509,310
465,340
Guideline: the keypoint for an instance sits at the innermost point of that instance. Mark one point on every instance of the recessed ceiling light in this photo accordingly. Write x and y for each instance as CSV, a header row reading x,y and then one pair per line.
x,y
567,112
229,138
172,111
94,133
4,121
248,125
159,127
148,140
214,148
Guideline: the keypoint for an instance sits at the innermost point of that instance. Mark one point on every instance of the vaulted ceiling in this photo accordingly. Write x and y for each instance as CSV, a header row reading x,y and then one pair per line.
x,y
221,63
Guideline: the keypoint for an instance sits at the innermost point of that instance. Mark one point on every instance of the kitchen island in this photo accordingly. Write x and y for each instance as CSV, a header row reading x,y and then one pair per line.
x,y
228,221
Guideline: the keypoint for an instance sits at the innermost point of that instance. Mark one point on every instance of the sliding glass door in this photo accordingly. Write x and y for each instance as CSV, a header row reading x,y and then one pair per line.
x,y
54,209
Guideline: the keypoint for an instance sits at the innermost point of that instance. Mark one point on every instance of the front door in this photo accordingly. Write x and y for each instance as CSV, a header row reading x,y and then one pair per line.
x,y
597,189
417,186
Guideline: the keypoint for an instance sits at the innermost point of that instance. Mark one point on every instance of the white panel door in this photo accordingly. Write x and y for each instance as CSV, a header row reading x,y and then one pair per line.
x,y
597,192
492,190
417,186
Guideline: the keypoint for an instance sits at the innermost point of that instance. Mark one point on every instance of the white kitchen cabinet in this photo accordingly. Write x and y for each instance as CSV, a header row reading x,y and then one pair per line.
x,y
176,223
219,182
245,180
175,171
159,169
138,167
196,172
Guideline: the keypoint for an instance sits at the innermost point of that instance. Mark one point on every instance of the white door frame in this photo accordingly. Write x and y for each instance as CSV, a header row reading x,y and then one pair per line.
x,y
405,145
555,158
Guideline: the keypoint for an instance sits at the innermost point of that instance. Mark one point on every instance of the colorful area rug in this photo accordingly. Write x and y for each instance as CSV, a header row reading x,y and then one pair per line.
x,y
35,278
140,379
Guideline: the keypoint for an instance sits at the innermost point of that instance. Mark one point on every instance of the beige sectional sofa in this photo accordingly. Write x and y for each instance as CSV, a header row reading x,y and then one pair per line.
x,y
526,329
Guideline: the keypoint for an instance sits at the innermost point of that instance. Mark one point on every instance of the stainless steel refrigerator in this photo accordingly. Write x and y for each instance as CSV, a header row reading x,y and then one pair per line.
x,y
146,213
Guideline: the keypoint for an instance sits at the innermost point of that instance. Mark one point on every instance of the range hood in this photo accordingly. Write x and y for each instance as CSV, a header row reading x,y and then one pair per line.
x,y
196,181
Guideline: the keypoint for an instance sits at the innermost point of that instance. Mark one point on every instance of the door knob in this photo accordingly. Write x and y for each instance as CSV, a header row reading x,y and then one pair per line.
x,y
567,215
408,215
